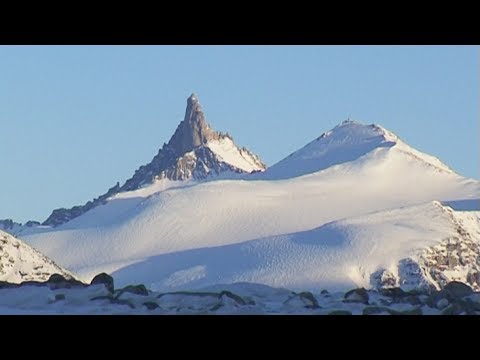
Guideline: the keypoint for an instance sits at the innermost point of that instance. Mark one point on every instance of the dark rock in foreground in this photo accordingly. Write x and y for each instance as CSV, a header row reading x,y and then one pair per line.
x,y
64,295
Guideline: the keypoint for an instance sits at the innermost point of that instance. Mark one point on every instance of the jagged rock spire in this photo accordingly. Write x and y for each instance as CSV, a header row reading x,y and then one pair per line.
x,y
186,156
193,131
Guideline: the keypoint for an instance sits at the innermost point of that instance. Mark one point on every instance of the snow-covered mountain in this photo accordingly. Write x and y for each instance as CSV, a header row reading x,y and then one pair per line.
x,y
345,143
357,206
20,262
195,152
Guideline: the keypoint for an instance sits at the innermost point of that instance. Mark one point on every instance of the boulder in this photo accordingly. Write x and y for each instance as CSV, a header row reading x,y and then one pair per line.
x,y
104,279
56,278
394,292
458,290
359,295
57,281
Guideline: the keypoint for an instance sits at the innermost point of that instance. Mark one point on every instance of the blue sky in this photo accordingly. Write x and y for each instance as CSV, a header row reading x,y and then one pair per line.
x,y
76,119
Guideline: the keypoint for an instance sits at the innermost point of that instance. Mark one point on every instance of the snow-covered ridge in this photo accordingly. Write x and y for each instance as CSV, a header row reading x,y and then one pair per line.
x,y
20,262
344,143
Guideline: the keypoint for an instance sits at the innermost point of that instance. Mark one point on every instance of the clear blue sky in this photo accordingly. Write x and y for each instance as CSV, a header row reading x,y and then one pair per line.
x,y
75,120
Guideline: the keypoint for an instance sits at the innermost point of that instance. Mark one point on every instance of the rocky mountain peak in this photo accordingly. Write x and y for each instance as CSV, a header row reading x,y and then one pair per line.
x,y
195,151
193,131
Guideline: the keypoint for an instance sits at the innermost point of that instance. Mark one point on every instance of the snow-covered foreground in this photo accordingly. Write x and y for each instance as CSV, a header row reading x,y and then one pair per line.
x,y
58,296
362,207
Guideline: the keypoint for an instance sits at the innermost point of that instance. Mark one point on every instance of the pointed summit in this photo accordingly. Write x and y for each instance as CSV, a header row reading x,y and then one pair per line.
x,y
193,131
195,151
192,99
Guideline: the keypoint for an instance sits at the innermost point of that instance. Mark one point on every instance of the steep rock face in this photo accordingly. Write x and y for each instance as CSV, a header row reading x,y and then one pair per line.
x,y
193,131
195,151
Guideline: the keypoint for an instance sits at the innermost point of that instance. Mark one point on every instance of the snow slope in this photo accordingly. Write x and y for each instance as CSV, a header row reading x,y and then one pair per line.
x,y
20,262
336,256
364,169
228,152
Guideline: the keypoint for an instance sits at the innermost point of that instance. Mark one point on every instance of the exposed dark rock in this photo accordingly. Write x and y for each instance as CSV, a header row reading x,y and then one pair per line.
x,y
61,216
33,283
57,281
104,279
133,289
394,292
56,278
238,299
102,297
458,289
359,295
216,306
151,305
308,296
7,285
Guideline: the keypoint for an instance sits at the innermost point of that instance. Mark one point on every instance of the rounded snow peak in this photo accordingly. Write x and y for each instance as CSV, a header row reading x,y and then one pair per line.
x,y
357,129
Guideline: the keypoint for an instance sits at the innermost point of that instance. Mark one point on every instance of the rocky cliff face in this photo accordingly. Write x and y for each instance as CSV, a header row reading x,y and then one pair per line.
x,y
188,155
193,131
